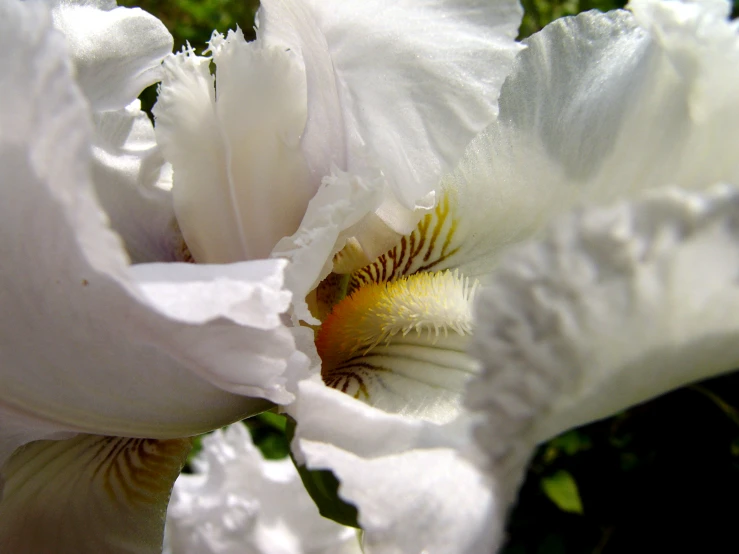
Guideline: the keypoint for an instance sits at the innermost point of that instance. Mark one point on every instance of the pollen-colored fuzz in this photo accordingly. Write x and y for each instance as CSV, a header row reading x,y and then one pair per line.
x,y
424,303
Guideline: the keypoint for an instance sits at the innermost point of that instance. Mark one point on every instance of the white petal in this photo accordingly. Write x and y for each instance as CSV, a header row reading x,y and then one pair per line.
x,y
18,430
292,25
239,502
89,494
415,490
116,51
596,108
86,345
614,307
341,203
241,180
131,180
187,132
261,106
400,86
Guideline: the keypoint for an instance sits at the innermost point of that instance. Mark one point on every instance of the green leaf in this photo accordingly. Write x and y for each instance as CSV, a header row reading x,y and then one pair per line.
x,y
197,446
572,442
562,490
323,487
731,412
277,421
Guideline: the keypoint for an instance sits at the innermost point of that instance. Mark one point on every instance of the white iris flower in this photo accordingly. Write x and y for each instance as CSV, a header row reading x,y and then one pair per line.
x,y
324,142
111,355
603,308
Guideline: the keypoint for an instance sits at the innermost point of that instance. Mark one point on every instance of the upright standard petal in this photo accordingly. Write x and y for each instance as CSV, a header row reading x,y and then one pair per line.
x,y
89,494
616,306
599,106
400,86
88,344
116,51
234,142
238,502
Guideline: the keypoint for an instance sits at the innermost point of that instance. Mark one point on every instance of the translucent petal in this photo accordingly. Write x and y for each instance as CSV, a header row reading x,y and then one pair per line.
x,y
599,106
116,51
435,70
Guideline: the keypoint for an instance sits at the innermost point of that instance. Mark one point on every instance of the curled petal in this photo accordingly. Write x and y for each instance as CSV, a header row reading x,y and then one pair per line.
x,y
88,343
340,204
132,182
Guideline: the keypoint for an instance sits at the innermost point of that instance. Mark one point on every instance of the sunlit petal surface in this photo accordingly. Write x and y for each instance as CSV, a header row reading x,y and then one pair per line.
x,y
116,52
599,107
89,343
400,86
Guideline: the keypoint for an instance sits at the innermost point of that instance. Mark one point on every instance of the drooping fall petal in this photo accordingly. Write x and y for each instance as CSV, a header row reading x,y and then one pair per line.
x,y
616,306
405,476
89,494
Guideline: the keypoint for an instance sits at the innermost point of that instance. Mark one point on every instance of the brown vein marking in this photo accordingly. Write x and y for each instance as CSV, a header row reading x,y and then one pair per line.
x,y
442,211
416,252
343,379
398,257
413,249
351,370
382,266
140,469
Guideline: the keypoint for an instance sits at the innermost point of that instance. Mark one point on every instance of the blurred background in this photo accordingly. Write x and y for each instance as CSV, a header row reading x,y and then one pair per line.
x,y
661,477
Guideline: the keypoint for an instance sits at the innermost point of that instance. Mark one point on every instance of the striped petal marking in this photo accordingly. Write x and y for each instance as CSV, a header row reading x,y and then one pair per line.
x,y
89,493
394,333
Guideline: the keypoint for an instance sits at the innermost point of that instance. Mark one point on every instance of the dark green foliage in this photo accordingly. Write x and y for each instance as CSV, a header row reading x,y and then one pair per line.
x,y
540,12
662,477
268,433
194,21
